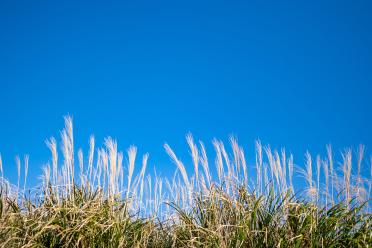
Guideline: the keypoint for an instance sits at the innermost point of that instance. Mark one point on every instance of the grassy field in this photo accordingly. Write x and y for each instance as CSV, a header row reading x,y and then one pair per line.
x,y
98,200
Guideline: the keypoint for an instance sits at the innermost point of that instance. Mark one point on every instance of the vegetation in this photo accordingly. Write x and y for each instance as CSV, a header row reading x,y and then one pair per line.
x,y
99,202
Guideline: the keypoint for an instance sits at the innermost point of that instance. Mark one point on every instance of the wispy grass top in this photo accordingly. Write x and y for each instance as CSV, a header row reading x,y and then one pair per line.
x,y
98,200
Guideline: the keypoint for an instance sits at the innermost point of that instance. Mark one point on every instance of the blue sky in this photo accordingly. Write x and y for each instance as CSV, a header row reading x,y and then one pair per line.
x,y
147,72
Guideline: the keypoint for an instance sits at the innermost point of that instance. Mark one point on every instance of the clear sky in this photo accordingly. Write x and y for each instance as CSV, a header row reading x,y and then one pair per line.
x,y
293,74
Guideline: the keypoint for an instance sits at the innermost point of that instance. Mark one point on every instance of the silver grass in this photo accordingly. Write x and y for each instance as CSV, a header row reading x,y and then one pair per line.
x,y
258,150
179,165
90,156
132,152
219,163
204,162
194,155
26,160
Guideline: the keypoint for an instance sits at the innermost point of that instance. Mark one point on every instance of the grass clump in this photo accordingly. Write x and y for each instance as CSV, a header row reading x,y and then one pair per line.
x,y
100,202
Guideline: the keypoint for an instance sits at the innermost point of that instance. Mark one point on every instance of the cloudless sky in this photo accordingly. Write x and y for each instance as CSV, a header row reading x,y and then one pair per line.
x,y
296,74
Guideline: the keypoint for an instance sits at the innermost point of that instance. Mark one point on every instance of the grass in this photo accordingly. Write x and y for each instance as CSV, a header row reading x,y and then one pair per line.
x,y
101,202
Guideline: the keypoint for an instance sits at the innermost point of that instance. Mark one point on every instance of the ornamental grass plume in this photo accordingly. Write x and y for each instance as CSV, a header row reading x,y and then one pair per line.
x,y
106,202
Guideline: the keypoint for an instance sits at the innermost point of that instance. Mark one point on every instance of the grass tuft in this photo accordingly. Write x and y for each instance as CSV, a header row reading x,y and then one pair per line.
x,y
105,202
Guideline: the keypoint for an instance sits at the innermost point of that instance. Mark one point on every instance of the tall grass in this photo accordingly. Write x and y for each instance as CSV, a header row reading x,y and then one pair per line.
x,y
103,201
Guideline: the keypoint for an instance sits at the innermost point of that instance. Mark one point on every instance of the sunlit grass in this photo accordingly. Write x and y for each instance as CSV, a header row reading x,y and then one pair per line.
x,y
101,202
